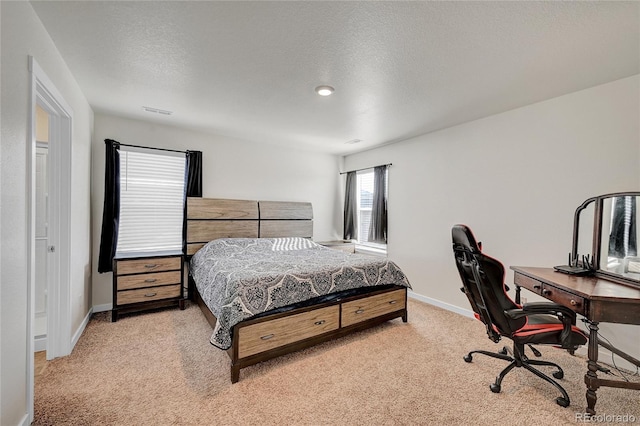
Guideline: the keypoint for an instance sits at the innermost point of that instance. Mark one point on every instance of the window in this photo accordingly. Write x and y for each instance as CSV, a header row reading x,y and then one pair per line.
x,y
365,202
365,208
366,189
151,200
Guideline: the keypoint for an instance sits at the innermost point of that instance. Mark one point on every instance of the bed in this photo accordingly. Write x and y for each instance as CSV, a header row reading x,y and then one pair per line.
x,y
267,289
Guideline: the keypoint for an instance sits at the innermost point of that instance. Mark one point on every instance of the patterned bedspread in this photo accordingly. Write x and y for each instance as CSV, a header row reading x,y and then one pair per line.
x,y
242,277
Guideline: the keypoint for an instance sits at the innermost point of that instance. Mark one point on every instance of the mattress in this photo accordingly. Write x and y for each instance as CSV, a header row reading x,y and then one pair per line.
x,y
240,278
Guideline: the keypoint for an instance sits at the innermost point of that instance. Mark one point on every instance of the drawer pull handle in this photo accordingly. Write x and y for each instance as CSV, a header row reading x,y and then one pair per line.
x,y
574,303
360,311
546,292
150,294
151,265
267,337
537,287
319,322
150,280
393,302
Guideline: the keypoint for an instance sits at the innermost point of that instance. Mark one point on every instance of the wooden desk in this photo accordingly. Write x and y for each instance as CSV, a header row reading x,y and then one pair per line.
x,y
596,299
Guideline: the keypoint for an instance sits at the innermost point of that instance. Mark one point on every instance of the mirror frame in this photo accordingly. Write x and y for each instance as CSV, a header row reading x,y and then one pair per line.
x,y
596,250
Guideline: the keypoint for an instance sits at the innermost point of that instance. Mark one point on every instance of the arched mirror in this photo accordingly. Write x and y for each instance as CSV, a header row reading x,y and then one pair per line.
x,y
605,237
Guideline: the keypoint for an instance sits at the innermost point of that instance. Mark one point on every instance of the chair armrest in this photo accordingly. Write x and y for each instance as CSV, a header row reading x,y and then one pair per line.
x,y
566,315
544,308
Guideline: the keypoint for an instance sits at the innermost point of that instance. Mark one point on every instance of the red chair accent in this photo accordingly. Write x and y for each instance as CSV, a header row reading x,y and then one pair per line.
x,y
540,323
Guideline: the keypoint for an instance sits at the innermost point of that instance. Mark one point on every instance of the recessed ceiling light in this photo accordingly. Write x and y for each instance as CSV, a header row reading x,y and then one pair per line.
x,y
324,90
352,141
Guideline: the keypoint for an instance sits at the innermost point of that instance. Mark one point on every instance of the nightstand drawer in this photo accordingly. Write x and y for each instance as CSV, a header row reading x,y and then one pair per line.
x,y
150,264
148,294
146,281
374,306
128,282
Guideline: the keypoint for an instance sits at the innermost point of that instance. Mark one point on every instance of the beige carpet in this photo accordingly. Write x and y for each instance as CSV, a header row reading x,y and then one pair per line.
x,y
158,368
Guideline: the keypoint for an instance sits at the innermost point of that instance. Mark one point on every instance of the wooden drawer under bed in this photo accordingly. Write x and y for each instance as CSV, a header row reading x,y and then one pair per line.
x,y
257,340
372,306
263,336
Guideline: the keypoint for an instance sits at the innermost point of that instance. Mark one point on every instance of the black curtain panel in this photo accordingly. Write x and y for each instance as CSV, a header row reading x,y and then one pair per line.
x,y
378,227
350,207
193,181
111,209
623,241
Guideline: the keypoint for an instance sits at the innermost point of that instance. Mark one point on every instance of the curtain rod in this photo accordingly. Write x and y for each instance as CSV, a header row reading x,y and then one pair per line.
x,y
144,147
366,168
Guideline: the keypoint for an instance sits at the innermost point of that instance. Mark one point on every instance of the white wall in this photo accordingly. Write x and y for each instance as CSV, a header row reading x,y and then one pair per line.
x,y
23,35
515,178
232,168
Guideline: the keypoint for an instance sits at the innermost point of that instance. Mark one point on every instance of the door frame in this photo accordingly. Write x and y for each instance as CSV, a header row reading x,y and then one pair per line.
x,y
44,93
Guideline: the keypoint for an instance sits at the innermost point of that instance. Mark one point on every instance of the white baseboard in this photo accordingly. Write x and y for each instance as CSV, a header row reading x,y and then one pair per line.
x,y
102,308
440,304
25,421
81,328
604,356
40,343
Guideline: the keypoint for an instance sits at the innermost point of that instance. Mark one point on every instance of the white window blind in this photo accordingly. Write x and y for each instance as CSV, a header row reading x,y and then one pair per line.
x,y
151,200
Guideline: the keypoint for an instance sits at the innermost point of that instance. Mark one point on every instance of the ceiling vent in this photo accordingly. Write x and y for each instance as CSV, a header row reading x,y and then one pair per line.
x,y
157,111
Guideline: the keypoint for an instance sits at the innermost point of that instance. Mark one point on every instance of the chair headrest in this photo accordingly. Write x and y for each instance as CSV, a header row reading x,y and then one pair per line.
x,y
463,238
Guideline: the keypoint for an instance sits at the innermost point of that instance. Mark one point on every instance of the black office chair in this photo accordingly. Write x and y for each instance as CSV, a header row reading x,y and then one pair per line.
x,y
532,323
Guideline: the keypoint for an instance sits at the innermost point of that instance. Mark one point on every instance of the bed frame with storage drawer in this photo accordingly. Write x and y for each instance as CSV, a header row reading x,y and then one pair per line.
x,y
264,338
259,339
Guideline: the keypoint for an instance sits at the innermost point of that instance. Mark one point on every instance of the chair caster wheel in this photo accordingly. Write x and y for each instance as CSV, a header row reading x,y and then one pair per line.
x,y
558,374
495,388
563,402
503,351
468,358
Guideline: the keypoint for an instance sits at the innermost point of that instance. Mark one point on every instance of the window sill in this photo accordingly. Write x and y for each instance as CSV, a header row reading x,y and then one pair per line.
x,y
374,251
147,253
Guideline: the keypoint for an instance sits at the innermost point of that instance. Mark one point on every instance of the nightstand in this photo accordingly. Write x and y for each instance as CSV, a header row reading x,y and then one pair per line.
x,y
146,281
343,245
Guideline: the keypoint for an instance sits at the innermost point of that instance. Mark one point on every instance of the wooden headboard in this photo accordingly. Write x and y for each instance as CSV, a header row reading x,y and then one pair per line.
x,y
211,218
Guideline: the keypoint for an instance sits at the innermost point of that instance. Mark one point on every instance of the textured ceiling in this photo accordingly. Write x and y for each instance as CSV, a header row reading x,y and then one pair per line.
x,y
400,69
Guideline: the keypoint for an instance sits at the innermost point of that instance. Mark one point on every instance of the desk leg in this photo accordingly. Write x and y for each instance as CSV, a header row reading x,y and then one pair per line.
x,y
591,378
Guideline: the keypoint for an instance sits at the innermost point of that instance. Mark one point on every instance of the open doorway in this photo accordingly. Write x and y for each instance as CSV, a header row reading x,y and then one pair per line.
x,y
49,224
41,229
